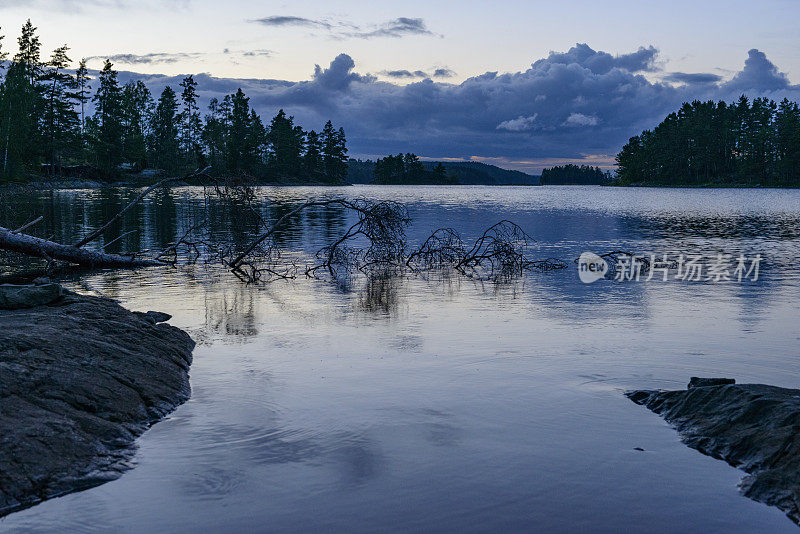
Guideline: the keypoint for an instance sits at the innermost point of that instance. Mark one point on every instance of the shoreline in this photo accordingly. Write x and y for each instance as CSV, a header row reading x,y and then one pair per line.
x,y
81,378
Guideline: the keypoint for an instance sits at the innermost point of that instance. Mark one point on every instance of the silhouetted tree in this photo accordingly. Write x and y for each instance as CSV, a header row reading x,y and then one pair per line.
x,y
164,133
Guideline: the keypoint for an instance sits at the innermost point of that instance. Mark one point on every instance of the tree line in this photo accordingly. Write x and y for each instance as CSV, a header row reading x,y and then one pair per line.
x,y
55,119
408,169
574,174
705,143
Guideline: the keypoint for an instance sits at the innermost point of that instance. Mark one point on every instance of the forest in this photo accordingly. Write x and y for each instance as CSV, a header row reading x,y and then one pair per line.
x,y
714,143
59,121
570,174
408,169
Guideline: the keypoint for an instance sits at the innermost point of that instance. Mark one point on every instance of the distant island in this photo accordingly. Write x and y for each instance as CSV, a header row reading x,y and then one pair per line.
x,y
717,144
574,175
407,169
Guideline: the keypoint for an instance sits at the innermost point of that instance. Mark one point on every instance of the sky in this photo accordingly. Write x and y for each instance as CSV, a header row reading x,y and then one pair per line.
x,y
522,84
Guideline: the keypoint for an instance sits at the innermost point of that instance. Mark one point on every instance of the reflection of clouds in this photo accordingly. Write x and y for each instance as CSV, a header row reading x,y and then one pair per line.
x,y
359,459
211,483
354,456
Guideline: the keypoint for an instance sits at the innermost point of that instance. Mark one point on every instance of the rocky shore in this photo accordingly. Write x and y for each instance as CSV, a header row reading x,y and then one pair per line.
x,y
754,427
80,378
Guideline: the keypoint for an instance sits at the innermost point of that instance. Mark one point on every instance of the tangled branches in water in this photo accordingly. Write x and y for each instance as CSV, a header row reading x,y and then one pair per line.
x,y
375,245
498,254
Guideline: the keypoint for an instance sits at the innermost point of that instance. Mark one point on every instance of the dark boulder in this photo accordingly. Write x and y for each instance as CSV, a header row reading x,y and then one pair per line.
x,y
754,427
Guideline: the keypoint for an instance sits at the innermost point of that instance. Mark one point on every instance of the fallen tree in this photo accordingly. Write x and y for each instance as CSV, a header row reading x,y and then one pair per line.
x,y
51,251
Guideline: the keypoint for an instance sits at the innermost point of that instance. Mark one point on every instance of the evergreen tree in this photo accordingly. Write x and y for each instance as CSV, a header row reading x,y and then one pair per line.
x,y
313,164
286,146
334,154
106,125
191,124
23,104
239,134
61,122
137,112
83,90
164,134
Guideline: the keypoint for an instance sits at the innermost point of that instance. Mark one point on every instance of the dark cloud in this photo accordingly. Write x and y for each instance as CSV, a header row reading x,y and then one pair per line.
x,y
417,74
577,105
399,74
692,78
399,27
292,21
758,73
338,29
601,62
144,59
257,53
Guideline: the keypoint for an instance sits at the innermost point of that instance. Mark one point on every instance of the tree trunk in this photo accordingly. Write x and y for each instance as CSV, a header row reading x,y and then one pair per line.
x,y
50,250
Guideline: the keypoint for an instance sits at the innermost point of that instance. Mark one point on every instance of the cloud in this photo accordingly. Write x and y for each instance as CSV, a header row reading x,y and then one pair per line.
x,y
292,21
758,73
144,59
572,106
338,29
408,74
691,78
643,60
520,124
338,75
256,53
579,119
399,27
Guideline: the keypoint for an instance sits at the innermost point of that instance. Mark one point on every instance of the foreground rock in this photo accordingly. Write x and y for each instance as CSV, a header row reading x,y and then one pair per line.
x,y
80,379
751,426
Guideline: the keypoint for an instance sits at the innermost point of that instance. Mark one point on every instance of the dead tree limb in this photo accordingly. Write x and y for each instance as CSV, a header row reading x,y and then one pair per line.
x,y
50,250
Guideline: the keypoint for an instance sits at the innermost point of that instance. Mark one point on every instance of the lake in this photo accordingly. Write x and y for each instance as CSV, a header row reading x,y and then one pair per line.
x,y
441,403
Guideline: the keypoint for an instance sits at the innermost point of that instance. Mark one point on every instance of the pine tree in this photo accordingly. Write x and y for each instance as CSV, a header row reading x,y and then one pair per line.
x,y
23,104
106,123
61,122
334,153
238,133
82,93
313,165
191,125
137,111
286,146
164,135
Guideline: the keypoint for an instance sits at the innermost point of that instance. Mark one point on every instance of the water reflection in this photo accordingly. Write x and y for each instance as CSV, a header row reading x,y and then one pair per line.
x,y
437,402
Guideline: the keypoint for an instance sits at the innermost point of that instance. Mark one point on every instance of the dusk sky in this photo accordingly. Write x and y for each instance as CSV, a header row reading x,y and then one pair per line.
x,y
519,84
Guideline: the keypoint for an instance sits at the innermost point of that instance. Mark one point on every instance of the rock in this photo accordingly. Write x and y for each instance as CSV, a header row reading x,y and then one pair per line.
x,y
15,297
696,382
154,317
80,379
754,427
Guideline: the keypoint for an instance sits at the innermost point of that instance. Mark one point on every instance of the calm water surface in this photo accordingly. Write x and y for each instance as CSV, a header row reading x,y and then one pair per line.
x,y
431,404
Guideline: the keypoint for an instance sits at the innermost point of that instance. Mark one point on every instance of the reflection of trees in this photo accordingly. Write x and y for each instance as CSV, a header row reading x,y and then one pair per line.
x,y
231,310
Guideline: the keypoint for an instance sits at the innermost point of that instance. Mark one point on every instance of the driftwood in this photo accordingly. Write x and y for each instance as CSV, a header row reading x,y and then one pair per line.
x,y
50,251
